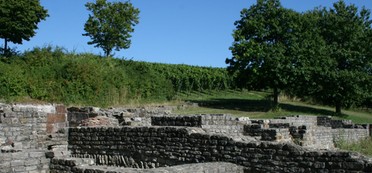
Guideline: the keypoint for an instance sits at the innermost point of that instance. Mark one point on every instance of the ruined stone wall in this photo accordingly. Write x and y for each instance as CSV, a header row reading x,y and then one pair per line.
x,y
79,165
147,147
25,161
211,123
298,120
189,121
26,134
224,124
28,126
327,137
116,116
308,131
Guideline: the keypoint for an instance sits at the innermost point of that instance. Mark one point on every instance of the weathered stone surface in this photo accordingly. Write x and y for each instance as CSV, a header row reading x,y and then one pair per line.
x,y
24,136
40,131
167,146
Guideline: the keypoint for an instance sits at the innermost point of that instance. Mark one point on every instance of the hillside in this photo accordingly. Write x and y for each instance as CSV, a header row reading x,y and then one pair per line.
x,y
53,75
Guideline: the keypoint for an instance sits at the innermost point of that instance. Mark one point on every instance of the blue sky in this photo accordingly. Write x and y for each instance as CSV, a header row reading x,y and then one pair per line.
x,y
193,32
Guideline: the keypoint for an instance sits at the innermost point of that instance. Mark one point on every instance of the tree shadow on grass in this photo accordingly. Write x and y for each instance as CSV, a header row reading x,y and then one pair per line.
x,y
248,105
235,104
309,110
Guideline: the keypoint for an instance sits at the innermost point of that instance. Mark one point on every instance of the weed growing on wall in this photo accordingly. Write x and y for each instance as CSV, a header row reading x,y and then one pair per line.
x,y
362,146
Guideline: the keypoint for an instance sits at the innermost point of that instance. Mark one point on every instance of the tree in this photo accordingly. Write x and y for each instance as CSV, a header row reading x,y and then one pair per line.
x,y
110,24
19,20
347,35
264,43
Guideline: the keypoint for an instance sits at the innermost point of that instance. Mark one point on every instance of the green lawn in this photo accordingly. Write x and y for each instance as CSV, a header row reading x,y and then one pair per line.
x,y
257,105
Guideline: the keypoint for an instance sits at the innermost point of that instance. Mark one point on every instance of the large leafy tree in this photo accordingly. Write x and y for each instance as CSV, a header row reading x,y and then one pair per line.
x,y
346,32
264,45
19,20
110,24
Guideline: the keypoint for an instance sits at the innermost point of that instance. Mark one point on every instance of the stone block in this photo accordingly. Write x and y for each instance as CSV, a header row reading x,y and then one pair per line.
x,y
61,109
31,168
16,163
19,156
56,118
4,164
50,128
37,154
30,162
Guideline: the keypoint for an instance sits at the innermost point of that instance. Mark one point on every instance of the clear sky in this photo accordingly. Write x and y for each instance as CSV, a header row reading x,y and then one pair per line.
x,y
193,32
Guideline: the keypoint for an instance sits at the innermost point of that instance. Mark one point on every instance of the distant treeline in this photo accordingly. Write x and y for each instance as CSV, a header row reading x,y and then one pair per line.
x,y
53,75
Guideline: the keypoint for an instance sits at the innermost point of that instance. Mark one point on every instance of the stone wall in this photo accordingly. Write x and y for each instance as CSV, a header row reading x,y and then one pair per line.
x,y
308,131
33,127
31,161
79,165
117,116
32,134
167,146
211,123
327,137
26,134
298,120
189,121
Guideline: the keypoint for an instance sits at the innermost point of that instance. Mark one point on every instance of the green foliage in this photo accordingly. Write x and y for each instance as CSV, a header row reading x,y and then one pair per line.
x,y
322,54
19,19
186,78
345,80
51,74
13,81
110,24
264,42
363,146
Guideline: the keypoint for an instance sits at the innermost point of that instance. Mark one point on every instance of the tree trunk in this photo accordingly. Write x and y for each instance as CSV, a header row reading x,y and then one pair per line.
x,y
108,52
338,108
5,45
276,99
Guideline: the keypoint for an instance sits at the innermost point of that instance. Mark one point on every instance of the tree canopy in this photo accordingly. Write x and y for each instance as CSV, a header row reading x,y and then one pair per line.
x,y
110,24
264,42
346,32
323,53
19,20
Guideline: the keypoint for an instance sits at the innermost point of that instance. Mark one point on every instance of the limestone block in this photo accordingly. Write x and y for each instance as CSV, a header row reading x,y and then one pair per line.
x,y
33,108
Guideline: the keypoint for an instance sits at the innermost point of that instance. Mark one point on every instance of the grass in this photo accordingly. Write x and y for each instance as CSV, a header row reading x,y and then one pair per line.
x,y
258,105
364,146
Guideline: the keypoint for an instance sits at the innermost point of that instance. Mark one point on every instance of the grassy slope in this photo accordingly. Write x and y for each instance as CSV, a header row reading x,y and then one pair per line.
x,y
256,105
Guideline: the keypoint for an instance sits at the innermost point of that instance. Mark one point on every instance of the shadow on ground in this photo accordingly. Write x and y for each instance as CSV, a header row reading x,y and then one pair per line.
x,y
259,106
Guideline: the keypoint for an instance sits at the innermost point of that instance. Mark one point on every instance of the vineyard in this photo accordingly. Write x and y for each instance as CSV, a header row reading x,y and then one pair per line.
x,y
185,78
53,75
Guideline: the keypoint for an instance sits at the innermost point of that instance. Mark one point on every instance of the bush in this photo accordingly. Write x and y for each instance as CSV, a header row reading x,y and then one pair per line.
x,y
13,81
52,74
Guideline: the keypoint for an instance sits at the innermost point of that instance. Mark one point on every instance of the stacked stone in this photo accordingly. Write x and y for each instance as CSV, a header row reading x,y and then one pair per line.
x,y
224,124
268,134
74,165
89,116
117,116
26,133
253,130
189,121
297,120
26,161
167,146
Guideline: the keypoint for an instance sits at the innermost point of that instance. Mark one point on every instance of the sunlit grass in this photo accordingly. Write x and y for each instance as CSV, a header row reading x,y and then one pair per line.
x,y
363,146
258,105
